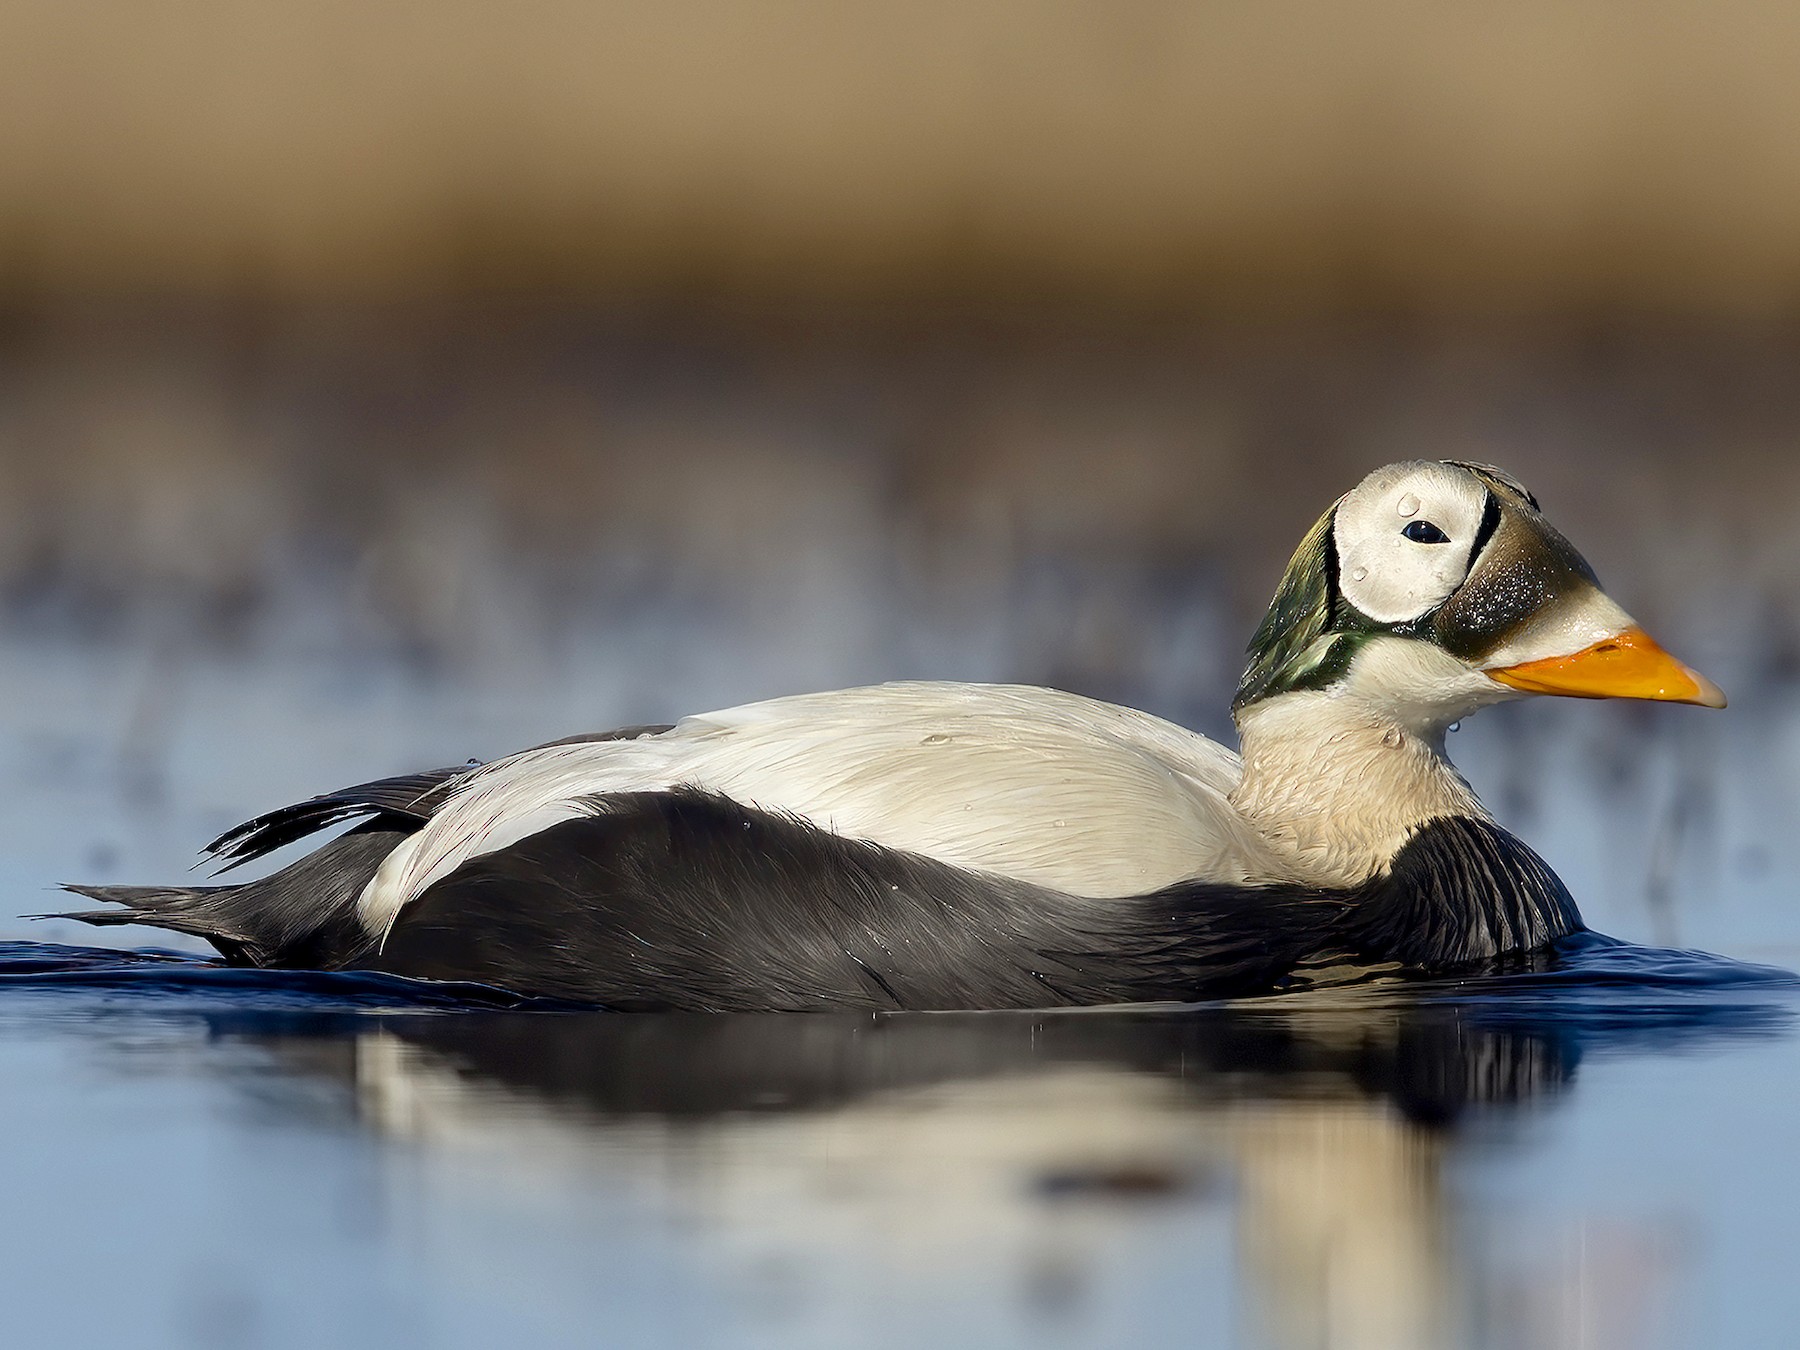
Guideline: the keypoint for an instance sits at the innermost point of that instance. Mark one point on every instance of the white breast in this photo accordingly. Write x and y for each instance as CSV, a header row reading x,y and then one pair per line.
x,y
1031,783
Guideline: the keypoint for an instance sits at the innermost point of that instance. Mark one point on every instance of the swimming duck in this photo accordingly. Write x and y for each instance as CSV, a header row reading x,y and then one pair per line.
x,y
940,845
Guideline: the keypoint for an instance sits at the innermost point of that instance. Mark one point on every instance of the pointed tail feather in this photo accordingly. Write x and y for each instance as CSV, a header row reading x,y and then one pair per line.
x,y
303,915
197,911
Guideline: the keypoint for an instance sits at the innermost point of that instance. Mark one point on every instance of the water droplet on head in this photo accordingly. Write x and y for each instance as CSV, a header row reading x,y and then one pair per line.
x,y
937,738
1359,574
1409,505
1392,737
1456,726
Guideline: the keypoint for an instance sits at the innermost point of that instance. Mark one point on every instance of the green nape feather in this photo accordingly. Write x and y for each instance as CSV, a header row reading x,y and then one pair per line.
x,y
1294,647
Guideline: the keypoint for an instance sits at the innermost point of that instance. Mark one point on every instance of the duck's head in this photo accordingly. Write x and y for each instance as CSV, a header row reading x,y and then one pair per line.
x,y
1433,589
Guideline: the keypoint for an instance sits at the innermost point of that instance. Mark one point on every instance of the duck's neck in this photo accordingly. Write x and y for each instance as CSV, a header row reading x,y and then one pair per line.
x,y
1335,786
1348,799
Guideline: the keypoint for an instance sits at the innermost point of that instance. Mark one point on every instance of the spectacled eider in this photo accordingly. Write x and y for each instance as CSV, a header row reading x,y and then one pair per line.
x,y
937,845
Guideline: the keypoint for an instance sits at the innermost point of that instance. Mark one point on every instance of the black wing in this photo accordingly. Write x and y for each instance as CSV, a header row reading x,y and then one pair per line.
x,y
402,802
405,800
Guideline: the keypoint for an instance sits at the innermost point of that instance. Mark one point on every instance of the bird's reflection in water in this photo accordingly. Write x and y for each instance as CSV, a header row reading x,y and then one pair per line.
x,y
1296,1147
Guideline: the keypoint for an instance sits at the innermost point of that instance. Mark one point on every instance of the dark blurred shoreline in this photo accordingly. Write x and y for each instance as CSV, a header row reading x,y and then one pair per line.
x,y
425,469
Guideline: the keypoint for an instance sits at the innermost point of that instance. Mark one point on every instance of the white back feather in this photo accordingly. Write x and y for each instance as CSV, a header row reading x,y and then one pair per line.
x,y
1031,783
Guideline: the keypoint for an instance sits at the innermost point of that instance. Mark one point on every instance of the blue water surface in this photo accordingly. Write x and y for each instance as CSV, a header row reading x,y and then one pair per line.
x,y
1591,1153
1596,1153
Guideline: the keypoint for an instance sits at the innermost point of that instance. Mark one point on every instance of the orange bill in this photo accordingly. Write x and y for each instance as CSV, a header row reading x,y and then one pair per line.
x,y
1627,665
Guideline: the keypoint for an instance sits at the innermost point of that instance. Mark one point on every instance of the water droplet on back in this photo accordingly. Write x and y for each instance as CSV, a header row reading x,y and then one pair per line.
x,y
1359,574
1392,737
1409,505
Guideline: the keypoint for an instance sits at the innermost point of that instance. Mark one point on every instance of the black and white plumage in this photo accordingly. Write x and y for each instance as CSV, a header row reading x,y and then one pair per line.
x,y
964,846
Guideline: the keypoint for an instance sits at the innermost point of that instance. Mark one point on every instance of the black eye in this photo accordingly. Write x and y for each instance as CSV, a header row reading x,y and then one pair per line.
x,y
1424,532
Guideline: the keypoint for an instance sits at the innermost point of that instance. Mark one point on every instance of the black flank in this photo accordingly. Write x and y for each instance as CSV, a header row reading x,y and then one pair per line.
x,y
690,901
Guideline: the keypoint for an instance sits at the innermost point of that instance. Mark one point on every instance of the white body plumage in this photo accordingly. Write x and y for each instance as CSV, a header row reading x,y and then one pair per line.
x,y
1032,783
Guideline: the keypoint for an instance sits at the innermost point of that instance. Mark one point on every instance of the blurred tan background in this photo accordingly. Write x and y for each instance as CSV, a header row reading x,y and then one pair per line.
x,y
1168,155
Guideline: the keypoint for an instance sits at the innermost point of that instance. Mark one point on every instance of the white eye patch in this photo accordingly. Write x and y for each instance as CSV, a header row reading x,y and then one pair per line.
x,y
1403,537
